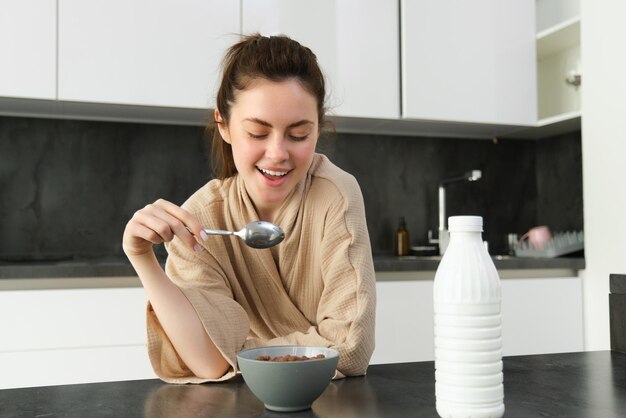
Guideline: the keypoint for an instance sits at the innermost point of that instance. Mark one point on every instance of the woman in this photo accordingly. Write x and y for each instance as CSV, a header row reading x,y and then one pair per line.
x,y
217,296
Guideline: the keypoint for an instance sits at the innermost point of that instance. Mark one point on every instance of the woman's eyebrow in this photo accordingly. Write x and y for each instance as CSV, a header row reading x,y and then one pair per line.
x,y
259,121
269,125
300,123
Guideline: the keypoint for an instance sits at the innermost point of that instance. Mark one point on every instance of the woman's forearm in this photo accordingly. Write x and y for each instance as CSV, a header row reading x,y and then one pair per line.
x,y
179,319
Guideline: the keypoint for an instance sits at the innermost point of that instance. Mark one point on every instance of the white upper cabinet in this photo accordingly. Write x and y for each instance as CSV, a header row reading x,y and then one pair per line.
x,y
144,52
469,61
28,48
430,67
356,43
559,72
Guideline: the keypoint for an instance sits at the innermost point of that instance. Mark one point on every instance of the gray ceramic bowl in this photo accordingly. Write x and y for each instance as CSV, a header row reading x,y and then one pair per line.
x,y
287,386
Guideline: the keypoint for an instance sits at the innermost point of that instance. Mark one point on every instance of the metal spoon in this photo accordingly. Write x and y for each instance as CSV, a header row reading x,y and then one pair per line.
x,y
258,234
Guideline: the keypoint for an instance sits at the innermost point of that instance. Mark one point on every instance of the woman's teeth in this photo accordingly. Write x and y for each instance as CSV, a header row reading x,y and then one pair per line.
x,y
273,173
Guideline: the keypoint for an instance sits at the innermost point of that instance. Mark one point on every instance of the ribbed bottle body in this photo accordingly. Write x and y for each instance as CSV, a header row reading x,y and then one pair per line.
x,y
468,329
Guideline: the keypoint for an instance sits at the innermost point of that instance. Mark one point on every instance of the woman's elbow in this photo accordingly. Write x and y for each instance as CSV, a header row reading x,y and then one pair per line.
x,y
354,369
211,370
356,360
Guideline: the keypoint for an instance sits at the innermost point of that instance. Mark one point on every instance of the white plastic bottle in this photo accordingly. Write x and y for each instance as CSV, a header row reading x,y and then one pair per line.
x,y
468,330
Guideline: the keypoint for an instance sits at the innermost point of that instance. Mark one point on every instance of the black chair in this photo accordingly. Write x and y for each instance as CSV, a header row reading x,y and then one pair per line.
x,y
617,311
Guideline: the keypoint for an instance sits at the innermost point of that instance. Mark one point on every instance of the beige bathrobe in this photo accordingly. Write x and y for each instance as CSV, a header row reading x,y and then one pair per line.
x,y
315,288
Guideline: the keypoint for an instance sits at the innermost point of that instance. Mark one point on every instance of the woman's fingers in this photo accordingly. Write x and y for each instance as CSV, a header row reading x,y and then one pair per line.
x,y
160,222
138,238
148,234
156,221
184,224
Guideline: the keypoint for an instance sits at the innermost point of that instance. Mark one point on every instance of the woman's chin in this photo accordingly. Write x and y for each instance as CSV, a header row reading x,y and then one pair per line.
x,y
272,199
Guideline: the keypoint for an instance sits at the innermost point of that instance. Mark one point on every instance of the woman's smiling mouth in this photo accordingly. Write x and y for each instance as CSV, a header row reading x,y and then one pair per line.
x,y
272,173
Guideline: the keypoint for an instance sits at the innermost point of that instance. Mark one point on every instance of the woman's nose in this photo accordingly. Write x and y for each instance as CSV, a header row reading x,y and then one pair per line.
x,y
277,149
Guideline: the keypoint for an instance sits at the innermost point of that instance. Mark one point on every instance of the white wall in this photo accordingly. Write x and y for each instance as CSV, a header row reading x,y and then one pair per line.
x,y
604,159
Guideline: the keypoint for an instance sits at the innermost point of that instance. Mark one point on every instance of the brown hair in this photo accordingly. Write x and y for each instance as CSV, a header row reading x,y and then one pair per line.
x,y
275,58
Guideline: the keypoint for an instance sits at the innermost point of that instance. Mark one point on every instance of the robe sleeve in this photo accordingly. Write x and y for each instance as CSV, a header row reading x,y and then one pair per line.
x,y
347,308
203,283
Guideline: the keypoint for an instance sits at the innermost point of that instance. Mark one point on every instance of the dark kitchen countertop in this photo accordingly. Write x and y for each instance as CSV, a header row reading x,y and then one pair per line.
x,y
417,263
120,267
95,267
586,384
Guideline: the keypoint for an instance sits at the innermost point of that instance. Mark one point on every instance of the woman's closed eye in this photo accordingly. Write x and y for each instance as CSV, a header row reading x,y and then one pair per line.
x,y
298,138
294,137
258,135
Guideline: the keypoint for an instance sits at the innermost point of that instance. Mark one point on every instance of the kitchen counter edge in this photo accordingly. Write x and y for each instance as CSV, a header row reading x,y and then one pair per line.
x,y
119,273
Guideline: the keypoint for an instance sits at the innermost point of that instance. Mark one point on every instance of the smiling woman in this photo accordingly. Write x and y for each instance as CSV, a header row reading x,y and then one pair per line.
x,y
273,130
217,296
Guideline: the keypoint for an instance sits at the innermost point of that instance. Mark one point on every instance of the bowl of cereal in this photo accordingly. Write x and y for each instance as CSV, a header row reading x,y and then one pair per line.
x,y
288,378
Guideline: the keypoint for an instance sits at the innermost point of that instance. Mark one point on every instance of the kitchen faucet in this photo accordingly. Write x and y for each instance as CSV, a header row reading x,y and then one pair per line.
x,y
473,175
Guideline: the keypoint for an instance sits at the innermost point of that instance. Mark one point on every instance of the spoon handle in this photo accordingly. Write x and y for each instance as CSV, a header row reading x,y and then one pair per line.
x,y
218,232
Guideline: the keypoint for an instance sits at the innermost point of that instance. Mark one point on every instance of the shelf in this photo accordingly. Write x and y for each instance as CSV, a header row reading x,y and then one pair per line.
x,y
199,117
550,126
55,109
560,119
558,38
423,127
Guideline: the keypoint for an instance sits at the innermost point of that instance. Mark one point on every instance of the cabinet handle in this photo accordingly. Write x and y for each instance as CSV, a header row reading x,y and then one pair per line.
x,y
573,79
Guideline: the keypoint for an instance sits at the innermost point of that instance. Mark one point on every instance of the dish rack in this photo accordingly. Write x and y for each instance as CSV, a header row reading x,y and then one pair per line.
x,y
561,243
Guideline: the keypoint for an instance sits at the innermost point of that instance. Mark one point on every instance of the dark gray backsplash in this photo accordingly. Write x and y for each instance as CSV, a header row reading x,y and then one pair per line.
x,y
524,183
560,183
67,188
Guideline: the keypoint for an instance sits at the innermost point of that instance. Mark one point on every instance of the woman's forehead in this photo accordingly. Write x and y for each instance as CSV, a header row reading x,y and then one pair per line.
x,y
265,99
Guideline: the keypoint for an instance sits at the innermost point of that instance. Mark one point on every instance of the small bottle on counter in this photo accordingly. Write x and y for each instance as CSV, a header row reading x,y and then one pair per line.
x,y
402,238
468,330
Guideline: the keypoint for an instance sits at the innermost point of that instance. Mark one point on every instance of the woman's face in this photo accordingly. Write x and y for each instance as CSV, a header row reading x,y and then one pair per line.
x,y
273,130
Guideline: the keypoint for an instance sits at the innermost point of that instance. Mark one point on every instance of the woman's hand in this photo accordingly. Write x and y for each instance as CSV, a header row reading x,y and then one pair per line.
x,y
160,222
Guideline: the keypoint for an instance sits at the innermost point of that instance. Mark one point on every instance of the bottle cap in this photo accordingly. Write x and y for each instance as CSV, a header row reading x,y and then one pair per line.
x,y
465,223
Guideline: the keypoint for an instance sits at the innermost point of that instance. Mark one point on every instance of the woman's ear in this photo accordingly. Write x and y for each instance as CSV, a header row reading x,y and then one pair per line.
x,y
223,129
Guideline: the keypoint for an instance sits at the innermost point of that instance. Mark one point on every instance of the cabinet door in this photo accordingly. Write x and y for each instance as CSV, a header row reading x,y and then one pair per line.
x,y
356,43
542,315
69,336
28,48
469,61
404,321
144,52
539,315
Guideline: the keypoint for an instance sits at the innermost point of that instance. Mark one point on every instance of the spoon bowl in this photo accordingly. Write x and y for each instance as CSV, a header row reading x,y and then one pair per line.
x,y
259,234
